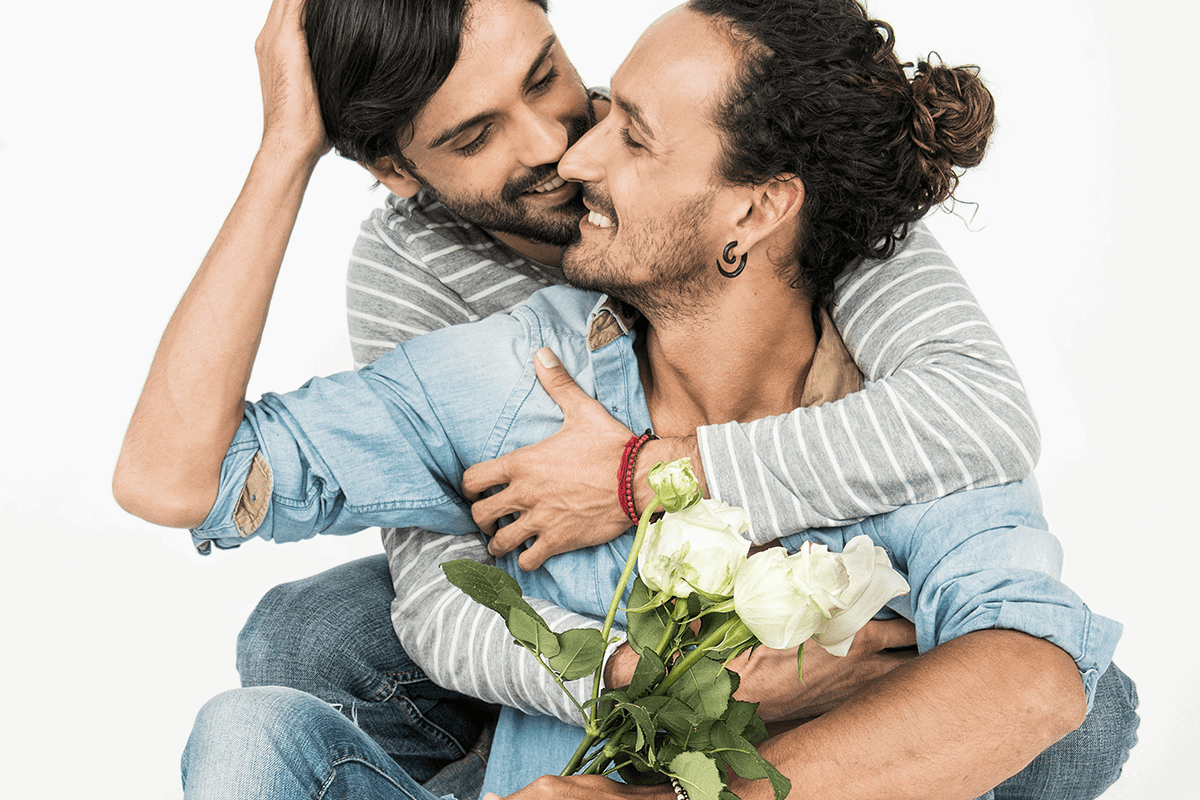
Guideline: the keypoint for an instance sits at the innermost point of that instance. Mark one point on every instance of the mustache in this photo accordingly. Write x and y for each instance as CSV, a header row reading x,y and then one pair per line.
x,y
592,198
516,187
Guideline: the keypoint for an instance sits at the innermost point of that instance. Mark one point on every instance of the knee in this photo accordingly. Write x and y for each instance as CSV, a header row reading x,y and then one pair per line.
x,y
1110,730
246,735
324,631
275,647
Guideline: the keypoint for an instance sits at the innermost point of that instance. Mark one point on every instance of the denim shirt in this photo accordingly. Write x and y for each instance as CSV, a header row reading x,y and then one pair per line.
x,y
387,446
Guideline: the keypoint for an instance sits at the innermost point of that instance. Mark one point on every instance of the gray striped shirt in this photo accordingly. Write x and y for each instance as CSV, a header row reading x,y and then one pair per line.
x,y
942,409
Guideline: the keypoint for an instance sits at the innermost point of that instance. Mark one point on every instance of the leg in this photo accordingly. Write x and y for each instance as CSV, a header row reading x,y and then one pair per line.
x,y
1085,762
331,636
281,743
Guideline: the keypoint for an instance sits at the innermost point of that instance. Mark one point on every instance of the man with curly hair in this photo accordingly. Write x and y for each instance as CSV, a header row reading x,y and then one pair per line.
x,y
722,243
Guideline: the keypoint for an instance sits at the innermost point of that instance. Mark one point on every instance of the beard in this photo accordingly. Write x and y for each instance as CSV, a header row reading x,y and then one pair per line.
x,y
513,212
662,268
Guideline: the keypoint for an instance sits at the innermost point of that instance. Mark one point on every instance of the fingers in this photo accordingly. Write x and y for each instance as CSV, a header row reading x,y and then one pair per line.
x,y
509,538
541,549
558,383
487,511
483,476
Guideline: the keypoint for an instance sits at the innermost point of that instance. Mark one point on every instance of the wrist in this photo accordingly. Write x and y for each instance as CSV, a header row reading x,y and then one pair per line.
x,y
659,450
618,669
294,153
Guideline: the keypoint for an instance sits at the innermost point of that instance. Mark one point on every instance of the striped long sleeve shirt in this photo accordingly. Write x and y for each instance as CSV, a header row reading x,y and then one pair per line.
x,y
942,409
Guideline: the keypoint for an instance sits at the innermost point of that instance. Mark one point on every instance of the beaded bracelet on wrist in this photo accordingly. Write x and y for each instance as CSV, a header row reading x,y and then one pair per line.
x,y
625,476
680,792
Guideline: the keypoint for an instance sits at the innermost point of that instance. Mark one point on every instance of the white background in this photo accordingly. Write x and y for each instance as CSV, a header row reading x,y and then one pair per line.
x,y
125,132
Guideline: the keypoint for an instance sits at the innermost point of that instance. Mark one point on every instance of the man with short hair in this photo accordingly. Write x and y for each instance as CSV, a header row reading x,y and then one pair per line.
x,y
273,454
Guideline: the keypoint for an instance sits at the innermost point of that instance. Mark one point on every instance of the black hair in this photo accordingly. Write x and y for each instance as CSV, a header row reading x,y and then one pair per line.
x,y
376,63
820,94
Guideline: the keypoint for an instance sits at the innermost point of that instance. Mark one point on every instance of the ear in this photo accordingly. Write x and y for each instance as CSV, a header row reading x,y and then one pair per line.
x,y
400,181
772,211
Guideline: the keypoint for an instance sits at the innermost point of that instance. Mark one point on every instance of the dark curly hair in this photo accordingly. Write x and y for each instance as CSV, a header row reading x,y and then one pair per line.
x,y
821,94
376,63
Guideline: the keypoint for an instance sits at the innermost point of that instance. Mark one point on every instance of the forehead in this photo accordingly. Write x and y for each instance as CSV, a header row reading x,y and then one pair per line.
x,y
501,41
675,75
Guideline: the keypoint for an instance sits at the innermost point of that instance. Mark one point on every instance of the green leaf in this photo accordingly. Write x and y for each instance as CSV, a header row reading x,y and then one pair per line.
x,y
580,651
699,738
485,584
645,626
493,587
673,716
666,754
642,722
698,775
706,687
740,715
745,760
648,673
527,626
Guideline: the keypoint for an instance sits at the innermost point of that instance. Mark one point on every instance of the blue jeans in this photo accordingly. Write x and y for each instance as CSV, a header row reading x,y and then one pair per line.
x,y
331,637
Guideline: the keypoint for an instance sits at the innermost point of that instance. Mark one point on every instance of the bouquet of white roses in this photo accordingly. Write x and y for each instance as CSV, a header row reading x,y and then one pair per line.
x,y
697,603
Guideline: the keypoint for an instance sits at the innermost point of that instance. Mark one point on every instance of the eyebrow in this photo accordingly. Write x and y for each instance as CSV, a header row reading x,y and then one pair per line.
x,y
634,112
457,129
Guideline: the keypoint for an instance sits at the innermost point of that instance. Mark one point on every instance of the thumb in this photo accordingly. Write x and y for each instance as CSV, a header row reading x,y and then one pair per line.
x,y
558,383
897,633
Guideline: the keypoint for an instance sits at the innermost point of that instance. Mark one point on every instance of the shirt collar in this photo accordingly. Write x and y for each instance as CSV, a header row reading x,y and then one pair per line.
x,y
610,320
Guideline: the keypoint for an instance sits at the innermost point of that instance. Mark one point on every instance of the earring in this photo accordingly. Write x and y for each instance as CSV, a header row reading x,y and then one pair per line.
x,y
729,259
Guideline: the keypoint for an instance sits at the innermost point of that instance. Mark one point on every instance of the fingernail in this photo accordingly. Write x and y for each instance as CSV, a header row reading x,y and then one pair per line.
x,y
548,359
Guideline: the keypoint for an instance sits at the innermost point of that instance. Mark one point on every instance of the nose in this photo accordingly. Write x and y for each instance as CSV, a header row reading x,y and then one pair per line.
x,y
581,162
545,139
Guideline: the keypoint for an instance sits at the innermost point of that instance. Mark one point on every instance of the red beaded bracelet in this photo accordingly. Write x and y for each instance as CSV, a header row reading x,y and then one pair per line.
x,y
625,476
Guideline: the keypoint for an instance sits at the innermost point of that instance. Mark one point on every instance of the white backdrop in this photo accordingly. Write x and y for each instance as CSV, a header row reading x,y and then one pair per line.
x,y
125,132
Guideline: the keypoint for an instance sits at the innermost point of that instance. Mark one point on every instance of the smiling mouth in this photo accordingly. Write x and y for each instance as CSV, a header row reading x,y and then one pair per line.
x,y
549,186
599,220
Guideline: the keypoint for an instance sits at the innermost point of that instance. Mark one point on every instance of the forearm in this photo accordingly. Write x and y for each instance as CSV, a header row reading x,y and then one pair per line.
x,y
192,402
943,408
465,646
910,733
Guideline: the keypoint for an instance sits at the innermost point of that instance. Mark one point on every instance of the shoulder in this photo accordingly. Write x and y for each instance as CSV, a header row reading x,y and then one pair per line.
x,y
555,317
422,227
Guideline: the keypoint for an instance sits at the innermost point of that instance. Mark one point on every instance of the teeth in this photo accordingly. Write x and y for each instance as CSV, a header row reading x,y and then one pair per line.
x,y
599,220
549,186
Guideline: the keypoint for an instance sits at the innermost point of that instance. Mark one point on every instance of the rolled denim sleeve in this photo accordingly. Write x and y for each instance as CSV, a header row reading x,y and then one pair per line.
x,y
384,446
984,559
387,446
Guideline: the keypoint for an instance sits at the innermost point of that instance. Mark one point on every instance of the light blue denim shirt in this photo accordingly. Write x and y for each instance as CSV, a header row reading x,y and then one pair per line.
x,y
387,446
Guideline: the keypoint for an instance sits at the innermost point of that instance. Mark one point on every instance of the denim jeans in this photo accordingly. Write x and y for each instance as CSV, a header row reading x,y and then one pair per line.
x,y
330,636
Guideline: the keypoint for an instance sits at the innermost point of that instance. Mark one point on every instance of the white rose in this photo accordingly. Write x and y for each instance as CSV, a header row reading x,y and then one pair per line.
x,y
813,593
675,484
700,547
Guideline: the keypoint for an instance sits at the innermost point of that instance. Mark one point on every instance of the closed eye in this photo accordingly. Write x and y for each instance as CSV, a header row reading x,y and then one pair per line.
x,y
476,144
628,140
545,83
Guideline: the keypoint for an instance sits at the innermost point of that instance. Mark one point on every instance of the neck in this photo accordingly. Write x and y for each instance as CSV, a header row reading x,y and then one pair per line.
x,y
745,359
548,254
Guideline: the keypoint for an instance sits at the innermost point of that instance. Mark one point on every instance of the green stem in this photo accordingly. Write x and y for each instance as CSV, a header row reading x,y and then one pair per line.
x,y
577,758
697,653
537,657
619,592
678,614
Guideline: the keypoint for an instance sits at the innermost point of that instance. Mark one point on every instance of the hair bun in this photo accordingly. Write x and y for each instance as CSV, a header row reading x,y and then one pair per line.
x,y
954,114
